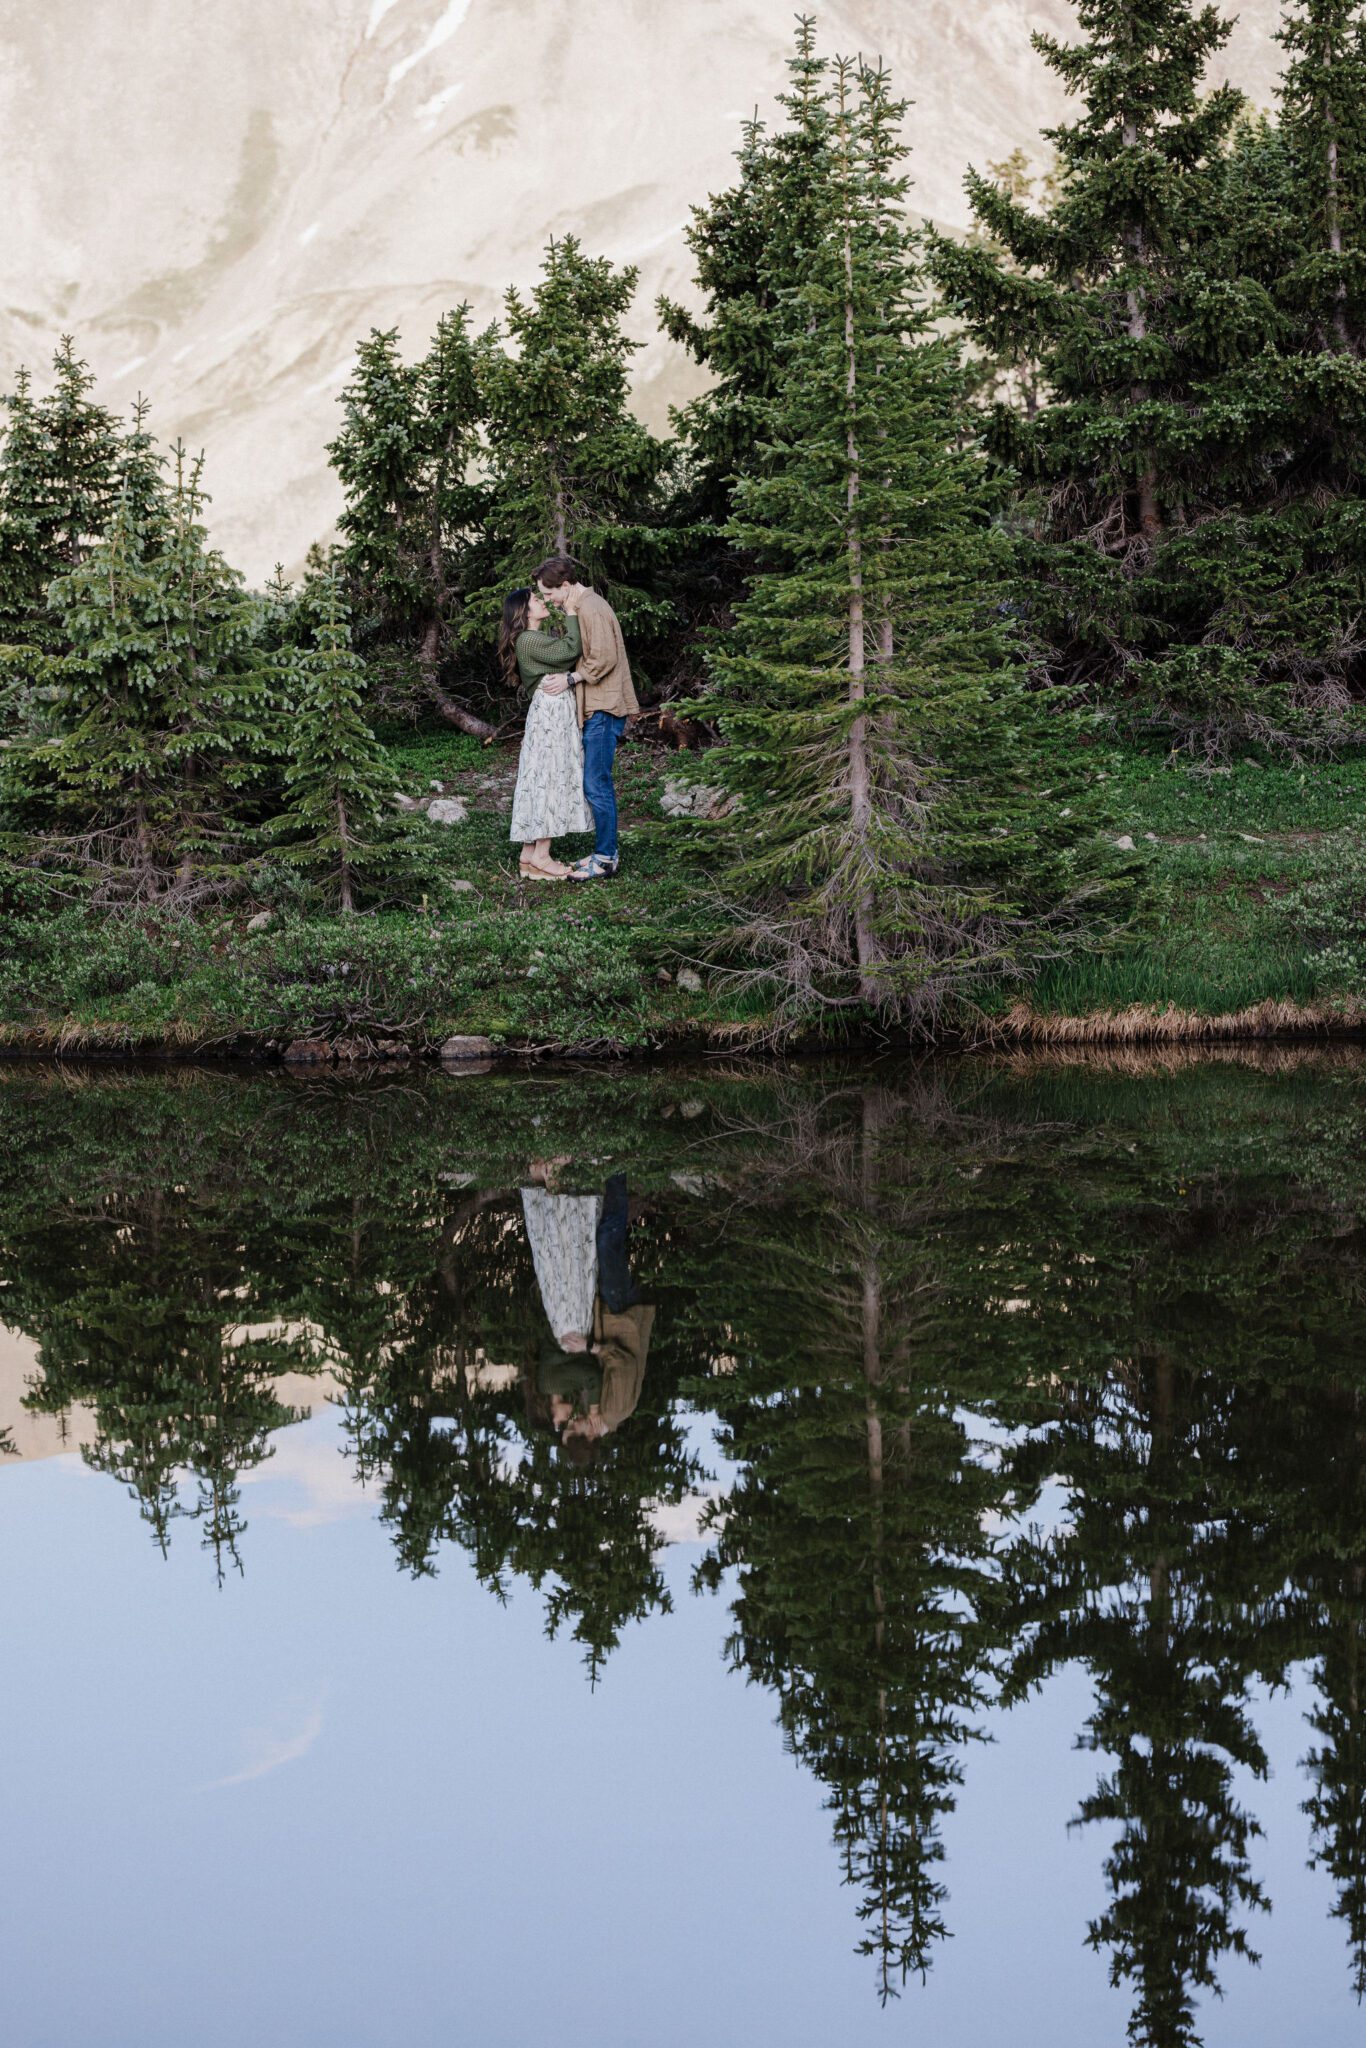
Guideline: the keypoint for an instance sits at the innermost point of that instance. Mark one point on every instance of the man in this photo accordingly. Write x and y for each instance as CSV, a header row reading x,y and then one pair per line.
x,y
597,1387
606,700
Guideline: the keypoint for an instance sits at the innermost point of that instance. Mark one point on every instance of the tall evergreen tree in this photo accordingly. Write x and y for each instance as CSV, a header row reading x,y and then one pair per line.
x,y
748,244
60,463
84,454
1322,117
572,470
411,529
1189,552
879,734
338,826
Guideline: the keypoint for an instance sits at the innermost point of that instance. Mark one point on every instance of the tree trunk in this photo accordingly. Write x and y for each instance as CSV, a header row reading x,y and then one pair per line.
x,y
860,772
429,656
1149,514
1333,212
344,839
463,720
561,516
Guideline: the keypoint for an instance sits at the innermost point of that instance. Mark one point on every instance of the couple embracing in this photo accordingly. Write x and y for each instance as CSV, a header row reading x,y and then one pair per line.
x,y
581,699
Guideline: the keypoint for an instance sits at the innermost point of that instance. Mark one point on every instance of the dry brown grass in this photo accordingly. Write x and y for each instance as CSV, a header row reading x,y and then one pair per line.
x,y
1143,1024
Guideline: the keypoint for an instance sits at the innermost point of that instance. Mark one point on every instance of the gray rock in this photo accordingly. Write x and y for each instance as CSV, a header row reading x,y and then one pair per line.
x,y
694,800
260,921
407,803
690,981
456,1050
448,810
463,888
1125,842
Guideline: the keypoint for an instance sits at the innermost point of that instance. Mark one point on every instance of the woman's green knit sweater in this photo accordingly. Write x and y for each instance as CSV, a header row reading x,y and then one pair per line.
x,y
548,654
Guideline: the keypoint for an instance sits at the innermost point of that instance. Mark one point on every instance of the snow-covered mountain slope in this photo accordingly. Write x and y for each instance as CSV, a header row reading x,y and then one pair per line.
x,y
218,200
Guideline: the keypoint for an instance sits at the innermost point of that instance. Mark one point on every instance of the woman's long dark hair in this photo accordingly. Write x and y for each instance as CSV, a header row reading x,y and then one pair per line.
x,y
516,605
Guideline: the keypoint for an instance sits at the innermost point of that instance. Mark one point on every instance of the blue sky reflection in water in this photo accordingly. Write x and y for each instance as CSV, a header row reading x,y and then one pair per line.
x,y
331,1802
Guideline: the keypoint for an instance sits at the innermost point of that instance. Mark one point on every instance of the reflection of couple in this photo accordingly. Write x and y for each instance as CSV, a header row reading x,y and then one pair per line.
x,y
581,699
579,1246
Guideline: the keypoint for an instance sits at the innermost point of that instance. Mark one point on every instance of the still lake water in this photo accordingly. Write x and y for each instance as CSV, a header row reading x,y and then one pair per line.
x,y
935,1610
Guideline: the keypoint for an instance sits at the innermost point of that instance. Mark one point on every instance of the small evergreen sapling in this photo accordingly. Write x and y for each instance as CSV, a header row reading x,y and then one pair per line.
x,y
337,827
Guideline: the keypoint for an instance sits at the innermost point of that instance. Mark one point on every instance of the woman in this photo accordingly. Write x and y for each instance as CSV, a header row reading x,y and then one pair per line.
x,y
549,798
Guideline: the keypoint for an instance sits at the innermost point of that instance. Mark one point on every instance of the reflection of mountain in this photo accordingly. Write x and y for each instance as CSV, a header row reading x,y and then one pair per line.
x,y
28,1434
220,200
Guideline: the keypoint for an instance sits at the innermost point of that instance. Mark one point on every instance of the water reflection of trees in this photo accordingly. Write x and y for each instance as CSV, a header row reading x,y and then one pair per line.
x,y
1015,1372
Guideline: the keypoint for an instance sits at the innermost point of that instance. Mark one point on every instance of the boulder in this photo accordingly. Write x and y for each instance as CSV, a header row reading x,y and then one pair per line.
x,y
457,1050
1125,842
448,810
690,981
260,921
309,1052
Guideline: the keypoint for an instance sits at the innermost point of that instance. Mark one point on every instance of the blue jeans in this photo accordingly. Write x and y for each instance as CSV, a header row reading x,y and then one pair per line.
x,y
600,737
614,1257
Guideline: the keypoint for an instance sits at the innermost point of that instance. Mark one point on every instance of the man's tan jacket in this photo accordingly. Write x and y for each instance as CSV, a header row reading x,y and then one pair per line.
x,y
623,1346
604,672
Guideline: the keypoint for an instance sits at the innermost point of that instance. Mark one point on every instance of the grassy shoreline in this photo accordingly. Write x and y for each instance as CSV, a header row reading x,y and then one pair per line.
x,y
595,969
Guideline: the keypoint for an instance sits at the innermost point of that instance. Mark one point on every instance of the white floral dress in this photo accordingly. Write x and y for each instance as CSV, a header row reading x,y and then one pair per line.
x,y
563,1233
549,798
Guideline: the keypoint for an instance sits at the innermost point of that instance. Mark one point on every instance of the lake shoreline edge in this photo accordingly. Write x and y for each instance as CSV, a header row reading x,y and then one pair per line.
x,y
1022,1028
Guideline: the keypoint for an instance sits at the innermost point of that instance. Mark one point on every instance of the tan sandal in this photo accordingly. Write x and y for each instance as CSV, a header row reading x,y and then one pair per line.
x,y
530,872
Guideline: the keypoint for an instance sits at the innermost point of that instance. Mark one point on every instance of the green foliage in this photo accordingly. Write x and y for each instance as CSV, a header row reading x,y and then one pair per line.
x,y
59,477
750,246
572,471
338,825
412,527
880,737
1190,547
159,728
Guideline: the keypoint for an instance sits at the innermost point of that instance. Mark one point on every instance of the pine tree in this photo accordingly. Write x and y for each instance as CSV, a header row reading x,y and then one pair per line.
x,y
412,526
59,479
1322,117
338,826
27,565
1176,563
887,754
84,456
161,719
572,470
748,245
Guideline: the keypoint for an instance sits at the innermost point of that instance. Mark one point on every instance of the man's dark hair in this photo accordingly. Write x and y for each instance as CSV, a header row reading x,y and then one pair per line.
x,y
559,570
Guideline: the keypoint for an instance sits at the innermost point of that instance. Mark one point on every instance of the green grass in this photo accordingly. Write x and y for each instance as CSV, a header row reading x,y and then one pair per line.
x,y
1232,862
1226,854
1156,792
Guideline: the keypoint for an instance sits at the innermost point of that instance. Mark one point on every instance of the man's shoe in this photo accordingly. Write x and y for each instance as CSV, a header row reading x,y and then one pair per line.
x,y
599,867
